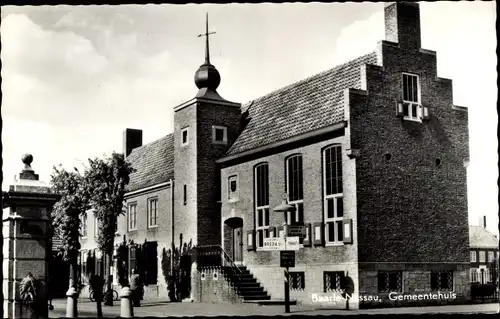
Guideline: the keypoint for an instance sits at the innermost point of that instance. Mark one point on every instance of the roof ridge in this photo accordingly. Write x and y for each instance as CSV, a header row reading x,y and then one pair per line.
x,y
337,67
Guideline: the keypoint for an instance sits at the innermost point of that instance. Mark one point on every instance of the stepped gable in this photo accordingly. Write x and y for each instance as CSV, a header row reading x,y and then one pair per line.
x,y
153,162
310,104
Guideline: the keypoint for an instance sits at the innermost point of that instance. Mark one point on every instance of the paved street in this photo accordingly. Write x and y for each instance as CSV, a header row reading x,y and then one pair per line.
x,y
166,309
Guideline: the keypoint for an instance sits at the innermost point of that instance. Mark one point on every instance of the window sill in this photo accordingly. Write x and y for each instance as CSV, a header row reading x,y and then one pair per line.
x,y
131,230
153,227
84,237
183,145
219,143
412,119
327,244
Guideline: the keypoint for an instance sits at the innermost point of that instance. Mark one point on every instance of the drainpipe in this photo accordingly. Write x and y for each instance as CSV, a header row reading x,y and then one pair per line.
x,y
172,219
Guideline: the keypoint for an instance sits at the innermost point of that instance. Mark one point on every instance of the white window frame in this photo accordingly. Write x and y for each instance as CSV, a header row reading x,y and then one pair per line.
x,y
224,138
233,196
186,129
150,200
491,256
265,209
482,256
84,222
297,202
473,256
132,226
334,196
411,103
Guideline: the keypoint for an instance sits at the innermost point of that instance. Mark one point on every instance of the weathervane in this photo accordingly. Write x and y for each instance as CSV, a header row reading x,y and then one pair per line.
x,y
206,34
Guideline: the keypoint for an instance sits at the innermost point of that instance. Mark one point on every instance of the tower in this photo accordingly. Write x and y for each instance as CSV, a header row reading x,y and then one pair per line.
x,y
205,127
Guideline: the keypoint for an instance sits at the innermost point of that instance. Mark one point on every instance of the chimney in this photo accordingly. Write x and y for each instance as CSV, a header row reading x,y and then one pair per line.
x,y
132,138
482,221
402,24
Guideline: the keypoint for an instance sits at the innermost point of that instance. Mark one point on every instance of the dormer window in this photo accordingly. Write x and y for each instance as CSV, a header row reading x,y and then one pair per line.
x,y
219,134
185,136
412,108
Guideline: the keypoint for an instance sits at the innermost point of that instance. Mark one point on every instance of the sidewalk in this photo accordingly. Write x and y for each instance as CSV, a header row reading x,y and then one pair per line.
x,y
166,309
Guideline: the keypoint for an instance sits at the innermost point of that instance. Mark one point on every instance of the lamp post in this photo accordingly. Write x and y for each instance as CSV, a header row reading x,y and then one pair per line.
x,y
285,208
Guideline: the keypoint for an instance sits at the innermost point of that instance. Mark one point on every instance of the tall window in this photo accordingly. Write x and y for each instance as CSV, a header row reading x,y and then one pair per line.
x,y
390,281
491,256
411,97
294,188
132,216
261,189
152,212
442,280
84,225
333,194
185,136
473,256
482,257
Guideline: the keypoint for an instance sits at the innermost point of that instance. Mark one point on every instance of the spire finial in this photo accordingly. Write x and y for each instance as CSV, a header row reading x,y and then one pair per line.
x,y
207,76
207,45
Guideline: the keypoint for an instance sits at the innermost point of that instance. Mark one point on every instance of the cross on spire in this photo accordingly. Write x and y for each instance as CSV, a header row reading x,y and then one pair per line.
x,y
206,34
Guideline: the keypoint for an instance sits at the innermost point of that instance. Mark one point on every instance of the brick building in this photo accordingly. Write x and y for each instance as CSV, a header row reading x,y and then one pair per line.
x,y
372,154
483,252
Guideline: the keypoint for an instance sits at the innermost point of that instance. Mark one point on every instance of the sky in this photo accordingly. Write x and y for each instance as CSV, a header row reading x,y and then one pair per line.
x,y
74,77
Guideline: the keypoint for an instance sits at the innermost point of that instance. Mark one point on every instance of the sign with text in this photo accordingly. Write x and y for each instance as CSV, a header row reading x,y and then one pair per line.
x,y
280,243
287,259
296,231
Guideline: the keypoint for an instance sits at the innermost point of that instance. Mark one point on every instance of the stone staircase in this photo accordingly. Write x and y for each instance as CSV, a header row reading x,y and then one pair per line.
x,y
245,285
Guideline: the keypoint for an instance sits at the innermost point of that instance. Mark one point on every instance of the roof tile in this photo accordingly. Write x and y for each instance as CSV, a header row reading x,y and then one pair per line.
x,y
304,106
153,163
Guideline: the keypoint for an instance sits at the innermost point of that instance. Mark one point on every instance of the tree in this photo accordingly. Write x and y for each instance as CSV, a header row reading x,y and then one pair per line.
x,y
177,270
106,180
74,202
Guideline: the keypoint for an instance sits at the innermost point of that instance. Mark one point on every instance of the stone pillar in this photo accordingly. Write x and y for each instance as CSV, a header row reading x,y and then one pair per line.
x,y
195,283
26,216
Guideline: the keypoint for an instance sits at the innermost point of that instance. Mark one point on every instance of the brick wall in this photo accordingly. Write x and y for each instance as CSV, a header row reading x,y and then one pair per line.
x,y
214,288
185,167
313,202
408,201
208,172
314,260
161,233
415,283
271,277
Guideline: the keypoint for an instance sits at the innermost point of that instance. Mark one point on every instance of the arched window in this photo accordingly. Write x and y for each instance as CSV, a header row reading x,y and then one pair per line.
x,y
295,188
333,194
261,195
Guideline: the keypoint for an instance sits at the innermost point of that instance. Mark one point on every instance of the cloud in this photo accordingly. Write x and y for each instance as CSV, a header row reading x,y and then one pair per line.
x,y
359,38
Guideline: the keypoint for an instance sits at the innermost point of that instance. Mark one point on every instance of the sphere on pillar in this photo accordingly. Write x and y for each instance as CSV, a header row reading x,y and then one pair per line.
x,y
27,160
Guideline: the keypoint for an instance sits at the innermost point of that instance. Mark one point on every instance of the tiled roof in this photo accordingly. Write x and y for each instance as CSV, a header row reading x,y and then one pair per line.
x,y
310,104
479,237
153,162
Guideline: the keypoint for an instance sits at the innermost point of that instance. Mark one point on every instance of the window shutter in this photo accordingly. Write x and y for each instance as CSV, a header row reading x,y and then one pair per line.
x,y
399,108
347,230
251,240
425,113
272,231
307,240
318,233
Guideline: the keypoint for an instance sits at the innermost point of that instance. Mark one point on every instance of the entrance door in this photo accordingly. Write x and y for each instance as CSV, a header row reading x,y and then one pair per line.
x,y
238,244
